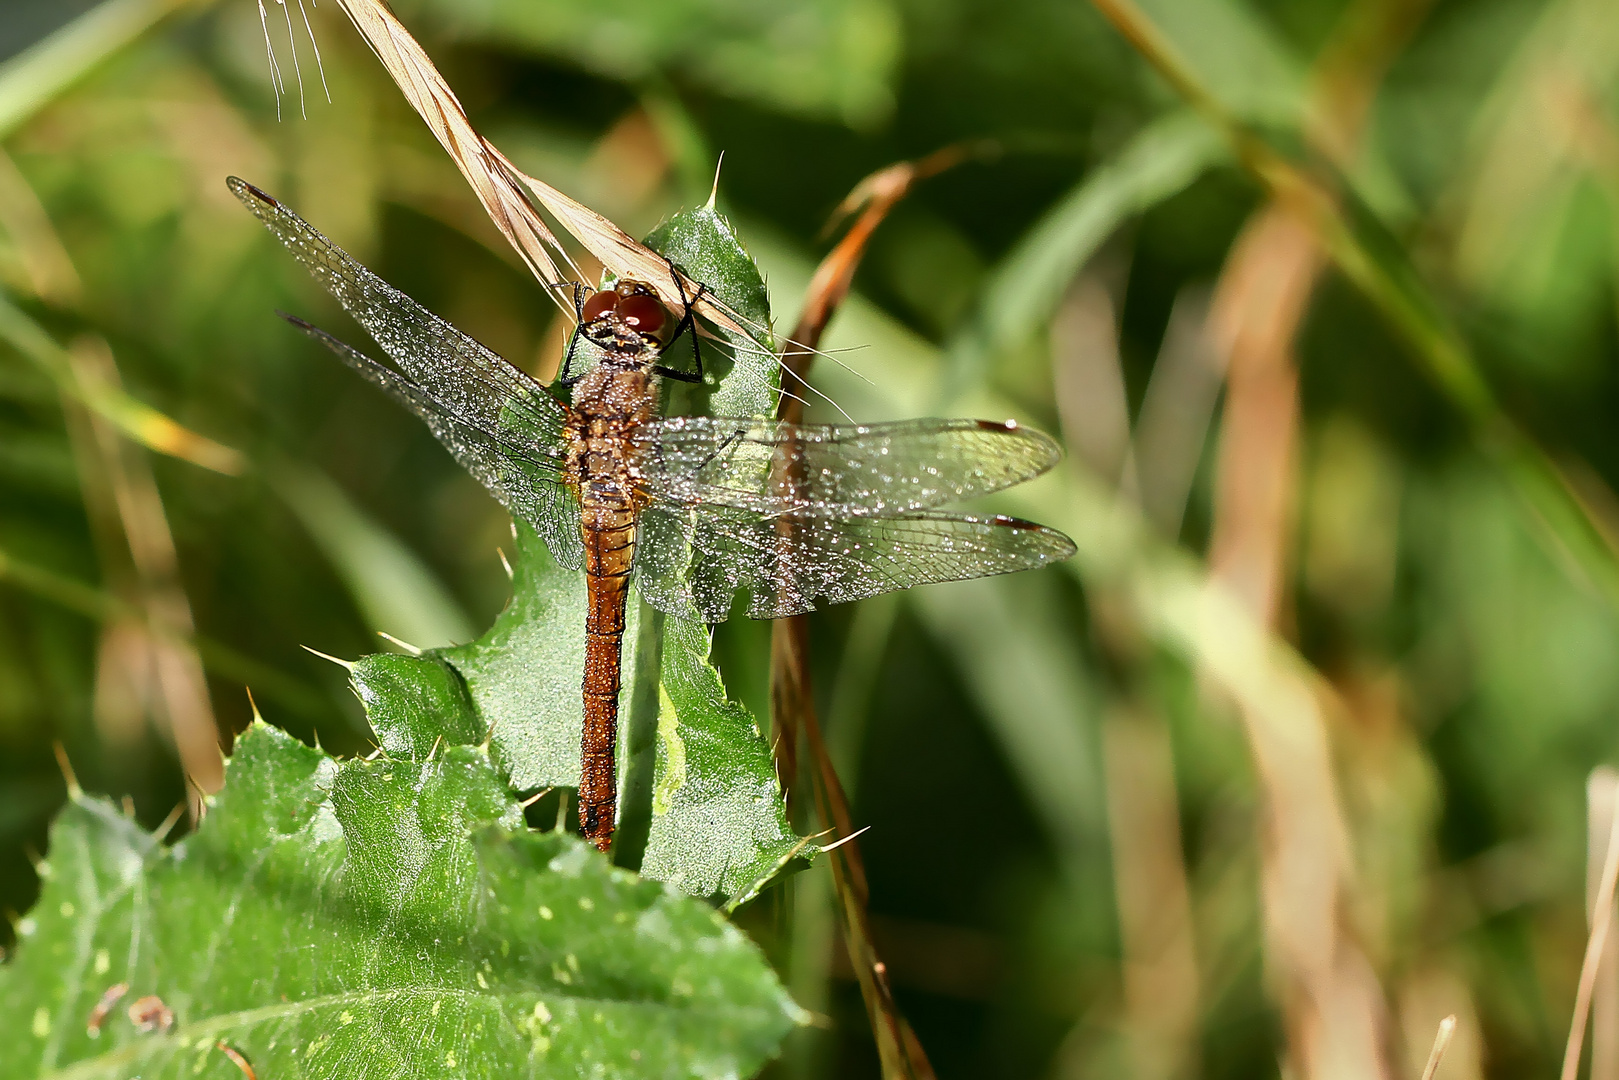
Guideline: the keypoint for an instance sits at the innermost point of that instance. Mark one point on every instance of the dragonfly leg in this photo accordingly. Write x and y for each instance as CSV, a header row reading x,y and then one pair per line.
x,y
565,376
688,322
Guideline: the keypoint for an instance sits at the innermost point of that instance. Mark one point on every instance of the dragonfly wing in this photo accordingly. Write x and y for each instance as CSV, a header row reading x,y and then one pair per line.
x,y
698,558
835,470
451,368
500,456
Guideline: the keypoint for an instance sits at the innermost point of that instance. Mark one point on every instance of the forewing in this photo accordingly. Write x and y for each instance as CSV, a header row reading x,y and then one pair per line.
x,y
834,470
468,380
500,455
698,558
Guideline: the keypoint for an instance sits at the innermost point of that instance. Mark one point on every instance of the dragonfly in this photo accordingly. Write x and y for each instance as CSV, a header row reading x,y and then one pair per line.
x,y
690,509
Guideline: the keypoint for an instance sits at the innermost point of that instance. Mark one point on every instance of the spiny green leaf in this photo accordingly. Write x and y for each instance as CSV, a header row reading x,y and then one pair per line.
x,y
414,701
525,674
742,377
718,821
375,917
705,245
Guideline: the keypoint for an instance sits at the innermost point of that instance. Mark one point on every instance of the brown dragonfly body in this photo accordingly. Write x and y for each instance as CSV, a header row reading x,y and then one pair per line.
x,y
611,403
700,513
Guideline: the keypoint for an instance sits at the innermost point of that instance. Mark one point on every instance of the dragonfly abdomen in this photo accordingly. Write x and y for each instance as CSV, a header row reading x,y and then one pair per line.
x,y
609,403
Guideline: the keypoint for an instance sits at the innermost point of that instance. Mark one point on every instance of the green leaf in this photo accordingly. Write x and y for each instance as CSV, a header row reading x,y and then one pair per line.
x,y
524,675
704,243
718,820
743,378
413,702
718,823
375,917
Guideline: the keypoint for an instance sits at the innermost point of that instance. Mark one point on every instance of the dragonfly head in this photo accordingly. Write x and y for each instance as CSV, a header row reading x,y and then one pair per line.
x,y
627,318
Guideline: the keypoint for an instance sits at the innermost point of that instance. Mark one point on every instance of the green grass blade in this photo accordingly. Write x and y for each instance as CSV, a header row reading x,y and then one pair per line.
x,y
35,77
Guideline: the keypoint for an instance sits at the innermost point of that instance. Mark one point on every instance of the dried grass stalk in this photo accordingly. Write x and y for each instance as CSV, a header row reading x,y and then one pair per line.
x,y
504,189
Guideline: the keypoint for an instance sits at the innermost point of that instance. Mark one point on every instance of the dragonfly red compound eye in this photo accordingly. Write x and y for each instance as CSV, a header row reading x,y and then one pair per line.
x,y
643,313
598,305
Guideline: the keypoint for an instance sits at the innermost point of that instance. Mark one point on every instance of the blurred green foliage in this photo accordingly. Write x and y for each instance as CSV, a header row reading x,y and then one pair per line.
x,y
1475,657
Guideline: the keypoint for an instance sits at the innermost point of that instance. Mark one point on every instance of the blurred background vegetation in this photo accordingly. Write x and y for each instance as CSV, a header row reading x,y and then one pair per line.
x,y
1291,763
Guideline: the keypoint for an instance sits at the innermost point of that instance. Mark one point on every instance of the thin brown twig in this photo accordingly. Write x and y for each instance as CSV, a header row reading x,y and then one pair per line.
x,y
898,1049
791,700
873,197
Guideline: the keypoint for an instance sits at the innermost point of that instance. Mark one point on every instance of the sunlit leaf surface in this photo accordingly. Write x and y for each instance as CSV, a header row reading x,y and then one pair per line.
x,y
388,918
718,824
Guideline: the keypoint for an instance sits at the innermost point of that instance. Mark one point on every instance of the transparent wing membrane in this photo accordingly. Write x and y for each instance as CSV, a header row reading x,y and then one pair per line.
x,y
467,379
698,558
771,467
527,483
792,516
502,426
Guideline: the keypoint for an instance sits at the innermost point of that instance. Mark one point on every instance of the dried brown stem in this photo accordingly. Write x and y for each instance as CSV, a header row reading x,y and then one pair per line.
x,y
898,1049
504,189
873,198
792,706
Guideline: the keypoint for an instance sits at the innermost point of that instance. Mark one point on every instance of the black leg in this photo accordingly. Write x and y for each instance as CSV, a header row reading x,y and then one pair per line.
x,y
564,378
687,324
